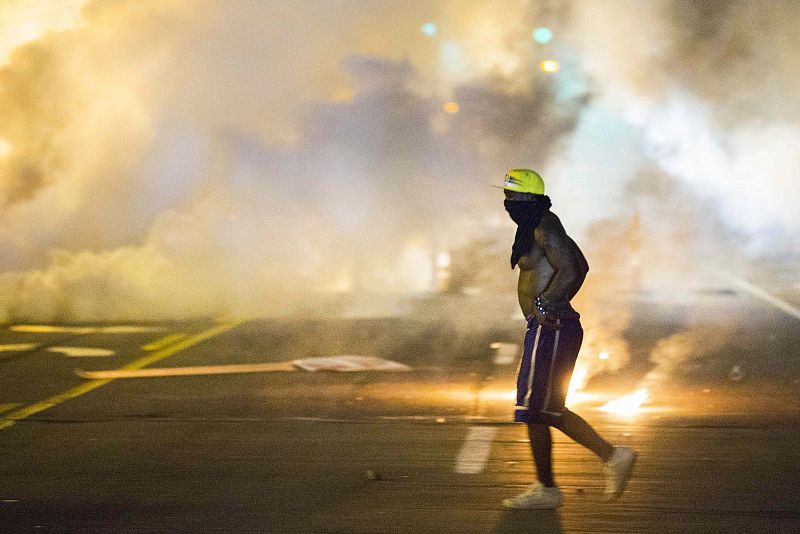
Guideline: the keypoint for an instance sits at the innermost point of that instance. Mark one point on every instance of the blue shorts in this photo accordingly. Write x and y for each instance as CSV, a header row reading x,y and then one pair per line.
x,y
545,370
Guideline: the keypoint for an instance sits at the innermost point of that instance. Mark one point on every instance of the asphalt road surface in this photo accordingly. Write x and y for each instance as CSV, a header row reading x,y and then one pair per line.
x,y
431,449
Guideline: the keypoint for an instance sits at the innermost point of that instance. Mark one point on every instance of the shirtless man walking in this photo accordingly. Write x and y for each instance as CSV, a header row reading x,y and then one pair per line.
x,y
552,270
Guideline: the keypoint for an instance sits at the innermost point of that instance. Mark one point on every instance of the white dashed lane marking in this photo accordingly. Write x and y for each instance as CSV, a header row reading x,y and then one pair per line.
x,y
761,294
475,452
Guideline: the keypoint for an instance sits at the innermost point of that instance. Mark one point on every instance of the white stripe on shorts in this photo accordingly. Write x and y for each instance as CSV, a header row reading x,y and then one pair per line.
x,y
527,401
550,377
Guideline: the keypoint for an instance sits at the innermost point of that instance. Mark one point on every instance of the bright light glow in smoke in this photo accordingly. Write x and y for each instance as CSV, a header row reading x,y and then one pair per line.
x,y
542,35
549,65
451,107
5,147
628,405
486,394
415,269
578,382
343,283
498,394
603,355
23,21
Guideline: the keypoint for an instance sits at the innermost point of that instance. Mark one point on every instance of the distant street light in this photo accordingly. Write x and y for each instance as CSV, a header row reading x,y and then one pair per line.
x,y
450,107
429,29
549,65
542,35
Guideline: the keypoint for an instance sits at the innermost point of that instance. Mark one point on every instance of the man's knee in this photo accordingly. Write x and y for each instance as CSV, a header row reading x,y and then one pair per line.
x,y
537,427
546,419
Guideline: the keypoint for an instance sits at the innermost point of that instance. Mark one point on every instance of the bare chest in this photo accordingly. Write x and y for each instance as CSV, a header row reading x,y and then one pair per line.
x,y
535,274
534,260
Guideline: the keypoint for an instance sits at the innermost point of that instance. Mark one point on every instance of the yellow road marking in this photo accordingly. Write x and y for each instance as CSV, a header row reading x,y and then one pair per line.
x,y
52,329
269,367
346,363
163,342
82,352
4,407
18,347
11,418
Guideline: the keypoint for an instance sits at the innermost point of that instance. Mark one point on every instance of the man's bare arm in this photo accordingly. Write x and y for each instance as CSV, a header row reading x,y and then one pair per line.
x,y
583,267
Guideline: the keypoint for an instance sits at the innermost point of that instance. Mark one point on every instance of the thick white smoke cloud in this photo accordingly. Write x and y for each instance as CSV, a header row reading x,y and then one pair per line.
x,y
175,158
185,158
711,89
698,138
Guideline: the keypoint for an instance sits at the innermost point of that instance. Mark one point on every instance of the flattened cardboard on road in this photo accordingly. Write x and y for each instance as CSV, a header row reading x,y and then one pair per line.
x,y
341,364
347,364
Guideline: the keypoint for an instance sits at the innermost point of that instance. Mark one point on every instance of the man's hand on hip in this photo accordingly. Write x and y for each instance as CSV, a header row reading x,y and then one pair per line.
x,y
547,320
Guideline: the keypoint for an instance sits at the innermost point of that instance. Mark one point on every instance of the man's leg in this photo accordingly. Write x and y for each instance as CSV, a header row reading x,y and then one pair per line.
x,y
543,494
555,362
542,449
617,461
542,387
576,428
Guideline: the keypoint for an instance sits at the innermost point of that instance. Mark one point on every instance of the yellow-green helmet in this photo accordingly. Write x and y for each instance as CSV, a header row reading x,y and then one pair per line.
x,y
523,181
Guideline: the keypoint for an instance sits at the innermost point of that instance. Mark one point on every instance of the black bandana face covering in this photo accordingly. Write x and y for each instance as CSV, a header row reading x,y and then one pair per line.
x,y
527,214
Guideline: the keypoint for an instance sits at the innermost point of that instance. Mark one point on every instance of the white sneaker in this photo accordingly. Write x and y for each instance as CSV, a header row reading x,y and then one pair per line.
x,y
618,471
536,498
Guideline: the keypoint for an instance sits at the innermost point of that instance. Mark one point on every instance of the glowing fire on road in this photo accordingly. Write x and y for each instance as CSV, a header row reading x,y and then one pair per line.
x,y
627,405
576,384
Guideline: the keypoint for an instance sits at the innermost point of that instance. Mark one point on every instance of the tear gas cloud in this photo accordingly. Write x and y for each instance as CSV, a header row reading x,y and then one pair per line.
x,y
176,159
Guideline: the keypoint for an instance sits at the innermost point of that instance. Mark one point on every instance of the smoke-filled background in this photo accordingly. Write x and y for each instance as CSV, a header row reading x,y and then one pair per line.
x,y
186,158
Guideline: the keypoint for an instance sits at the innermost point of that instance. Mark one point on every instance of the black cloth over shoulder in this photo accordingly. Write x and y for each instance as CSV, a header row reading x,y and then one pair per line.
x,y
527,214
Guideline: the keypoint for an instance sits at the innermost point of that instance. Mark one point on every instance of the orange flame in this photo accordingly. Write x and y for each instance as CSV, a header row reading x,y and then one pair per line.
x,y
628,405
